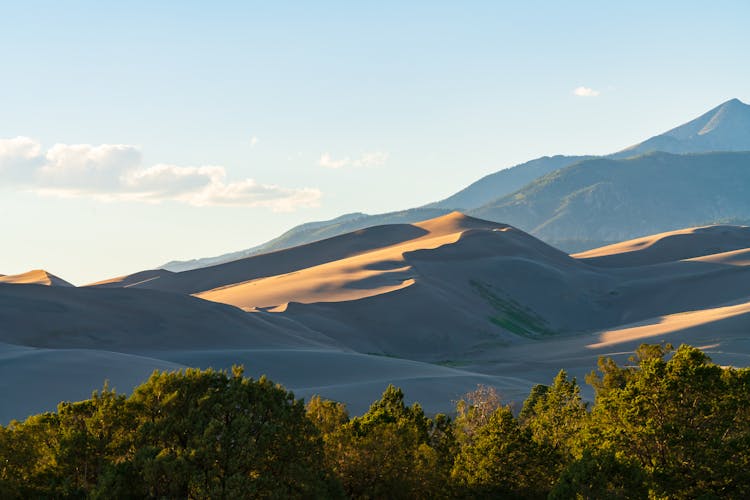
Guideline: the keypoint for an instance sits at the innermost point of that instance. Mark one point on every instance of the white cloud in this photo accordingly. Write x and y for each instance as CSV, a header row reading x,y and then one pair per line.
x,y
372,159
253,141
19,157
326,160
115,172
19,147
253,194
84,168
166,181
586,92
203,186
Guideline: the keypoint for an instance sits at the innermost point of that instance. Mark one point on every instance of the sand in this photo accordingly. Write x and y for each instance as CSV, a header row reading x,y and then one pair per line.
x,y
670,246
375,272
35,277
435,307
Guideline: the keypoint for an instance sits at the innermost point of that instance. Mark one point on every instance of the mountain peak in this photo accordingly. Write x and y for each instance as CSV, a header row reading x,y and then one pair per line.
x,y
723,128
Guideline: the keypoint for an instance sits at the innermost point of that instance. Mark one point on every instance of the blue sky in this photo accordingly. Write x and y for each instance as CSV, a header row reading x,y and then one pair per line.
x,y
134,133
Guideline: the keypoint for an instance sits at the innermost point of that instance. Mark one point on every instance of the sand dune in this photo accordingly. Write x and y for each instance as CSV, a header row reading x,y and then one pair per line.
x,y
726,340
435,307
138,279
733,258
270,264
466,284
130,321
367,274
35,380
35,277
737,315
54,375
670,246
353,377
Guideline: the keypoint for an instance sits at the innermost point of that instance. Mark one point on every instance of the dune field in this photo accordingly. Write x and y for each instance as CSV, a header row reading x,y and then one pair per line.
x,y
435,307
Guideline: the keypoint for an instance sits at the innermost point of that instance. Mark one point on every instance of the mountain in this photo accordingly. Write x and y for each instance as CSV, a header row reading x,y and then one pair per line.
x,y
480,192
35,277
614,200
503,182
724,128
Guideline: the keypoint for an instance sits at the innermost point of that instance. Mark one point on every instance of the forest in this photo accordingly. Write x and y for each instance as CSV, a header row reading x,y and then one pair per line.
x,y
669,424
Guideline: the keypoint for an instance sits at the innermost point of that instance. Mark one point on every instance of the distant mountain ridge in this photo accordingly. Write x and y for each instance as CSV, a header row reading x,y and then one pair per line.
x,y
617,199
507,180
723,128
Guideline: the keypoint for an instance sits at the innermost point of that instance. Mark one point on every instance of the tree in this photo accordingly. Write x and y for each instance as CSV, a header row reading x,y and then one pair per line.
x,y
392,451
204,434
555,415
503,461
474,410
24,464
328,416
600,475
683,420
92,434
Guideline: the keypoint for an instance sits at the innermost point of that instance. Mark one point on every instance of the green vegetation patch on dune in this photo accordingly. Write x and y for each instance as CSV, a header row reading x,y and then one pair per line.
x,y
511,315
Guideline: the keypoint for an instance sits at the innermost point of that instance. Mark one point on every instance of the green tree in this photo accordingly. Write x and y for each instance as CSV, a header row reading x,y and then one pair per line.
x,y
601,475
27,463
503,461
683,420
328,416
92,434
204,434
556,415
393,451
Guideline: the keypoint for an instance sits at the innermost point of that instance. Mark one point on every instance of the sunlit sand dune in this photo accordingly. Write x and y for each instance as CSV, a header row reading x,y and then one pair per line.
x,y
733,258
465,285
669,246
270,264
35,277
435,307
735,317
375,272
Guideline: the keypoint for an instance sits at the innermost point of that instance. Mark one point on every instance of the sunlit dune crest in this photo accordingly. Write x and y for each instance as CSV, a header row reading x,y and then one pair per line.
x,y
132,280
670,246
34,277
732,258
371,273
647,330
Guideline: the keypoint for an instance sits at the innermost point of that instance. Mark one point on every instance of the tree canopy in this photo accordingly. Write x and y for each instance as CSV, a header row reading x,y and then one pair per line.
x,y
670,424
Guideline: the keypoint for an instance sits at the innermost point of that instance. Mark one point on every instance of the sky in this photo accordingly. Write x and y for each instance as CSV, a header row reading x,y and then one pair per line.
x,y
135,133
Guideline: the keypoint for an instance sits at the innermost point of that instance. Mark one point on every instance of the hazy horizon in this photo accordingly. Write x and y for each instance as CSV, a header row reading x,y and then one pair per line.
x,y
134,135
